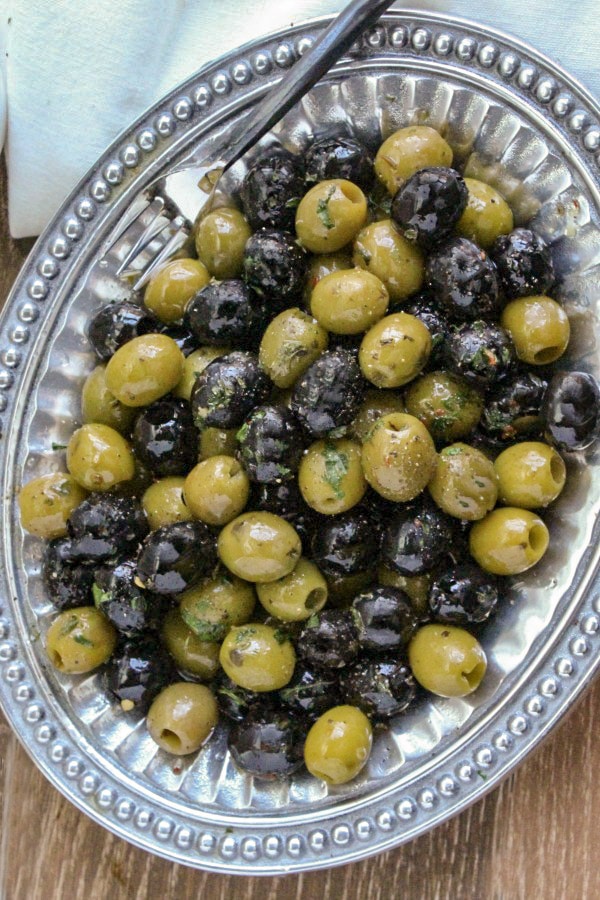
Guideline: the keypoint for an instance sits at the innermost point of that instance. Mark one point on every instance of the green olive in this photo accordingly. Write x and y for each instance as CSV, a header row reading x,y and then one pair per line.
x,y
144,369
508,541
98,457
330,476
383,251
217,490
291,343
295,596
170,290
100,406
399,457
349,302
530,475
45,504
259,546
338,745
394,351
164,504
182,717
487,214
213,606
417,588
447,406
375,405
79,640
464,484
193,365
258,657
221,237
322,265
217,442
193,657
406,151
330,215
446,660
539,328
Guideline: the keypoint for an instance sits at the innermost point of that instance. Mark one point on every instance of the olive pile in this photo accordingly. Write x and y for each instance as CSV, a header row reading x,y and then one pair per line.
x,y
308,456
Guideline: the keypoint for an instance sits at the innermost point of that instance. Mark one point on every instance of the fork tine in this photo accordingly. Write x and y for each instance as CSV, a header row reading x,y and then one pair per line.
x,y
156,225
129,217
175,242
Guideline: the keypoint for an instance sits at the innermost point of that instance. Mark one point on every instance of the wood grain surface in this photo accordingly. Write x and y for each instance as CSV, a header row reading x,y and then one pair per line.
x,y
533,838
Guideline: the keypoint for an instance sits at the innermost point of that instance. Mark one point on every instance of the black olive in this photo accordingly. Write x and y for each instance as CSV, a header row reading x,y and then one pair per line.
x,y
338,156
69,584
165,438
130,609
346,544
513,408
463,279
106,526
224,313
481,353
174,557
268,742
429,204
285,500
464,595
327,397
311,691
416,539
228,390
524,263
571,411
275,268
385,618
270,444
234,701
329,639
382,688
272,189
139,669
184,338
423,307
118,323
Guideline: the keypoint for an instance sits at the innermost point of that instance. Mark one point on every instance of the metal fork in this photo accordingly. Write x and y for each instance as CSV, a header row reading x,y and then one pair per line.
x,y
167,215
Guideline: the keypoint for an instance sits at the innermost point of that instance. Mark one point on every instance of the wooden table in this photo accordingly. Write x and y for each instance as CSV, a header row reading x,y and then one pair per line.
x,y
534,837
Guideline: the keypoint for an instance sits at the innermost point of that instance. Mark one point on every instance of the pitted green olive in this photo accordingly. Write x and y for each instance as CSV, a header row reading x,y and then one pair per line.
x,y
539,328
99,406
446,660
182,717
397,262
330,215
170,290
79,640
464,484
330,476
394,351
213,606
508,541
98,457
487,214
164,504
349,302
193,657
296,596
290,344
45,504
406,151
338,745
144,369
217,490
259,547
258,657
221,237
398,457
530,474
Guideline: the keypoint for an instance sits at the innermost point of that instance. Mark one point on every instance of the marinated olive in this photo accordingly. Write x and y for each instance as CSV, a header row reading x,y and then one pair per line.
x,y
481,353
144,369
397,262
224,312
290,344
129,608
429,204
423,307
330,476
217,442
193,657
182,717
172,287
446,660
406,151
311,691
464,595
416,539
118,323
524,263
285,500
165,438
394,351
465,484
398,457
349,301
220,239
216,490
270,444
98,457
174,557
571,410
330,215
164,502
98,404
346,544
385,619
539,328
138,670
381,688
271,190
463,280
45,504
274,267
329,639
296,596
235,702
530,475
338,745
375,405
447,406
513,408
183,337
105,526
339,156
259,547
195,363
508,541
487,214
69,584
79,640
322,265
228,389
268,743
258,657
326,397
213,606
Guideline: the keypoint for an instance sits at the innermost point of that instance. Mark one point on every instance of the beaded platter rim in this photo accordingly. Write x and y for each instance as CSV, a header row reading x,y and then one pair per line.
x,y
368,824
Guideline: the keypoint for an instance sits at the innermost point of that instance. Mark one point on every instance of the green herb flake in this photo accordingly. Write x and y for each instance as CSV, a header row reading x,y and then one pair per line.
x,y
323,209
56,446
80,639
100,597
452,451
336,468
242,433
70,623
280,636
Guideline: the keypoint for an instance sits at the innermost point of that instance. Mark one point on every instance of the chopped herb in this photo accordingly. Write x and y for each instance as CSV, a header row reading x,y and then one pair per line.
x,y
63,488
56,446
292,203
280,636
338,432
452,451
100,597
336,468
80,639
323,210
242,433
69,624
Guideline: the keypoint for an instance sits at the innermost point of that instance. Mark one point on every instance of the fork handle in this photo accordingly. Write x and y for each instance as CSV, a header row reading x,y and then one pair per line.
x,y
333,42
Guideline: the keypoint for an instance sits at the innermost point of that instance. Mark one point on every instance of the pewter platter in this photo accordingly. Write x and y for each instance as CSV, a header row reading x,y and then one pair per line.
x,y
521,123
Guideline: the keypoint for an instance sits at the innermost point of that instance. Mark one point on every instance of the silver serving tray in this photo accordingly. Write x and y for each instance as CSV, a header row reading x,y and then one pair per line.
x,y
524,124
